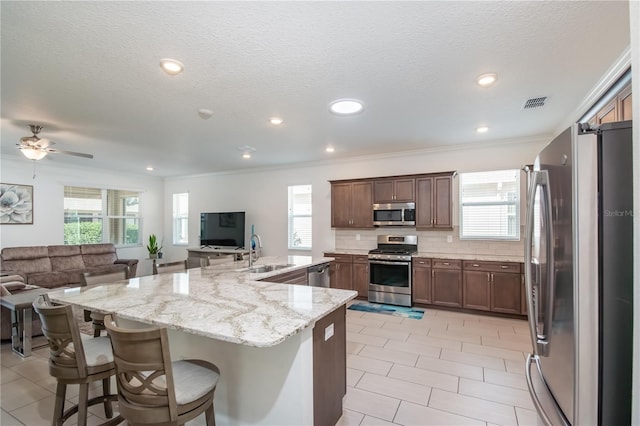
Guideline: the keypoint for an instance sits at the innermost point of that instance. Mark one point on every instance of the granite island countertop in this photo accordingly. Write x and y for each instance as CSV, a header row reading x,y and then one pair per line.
x,y
223,302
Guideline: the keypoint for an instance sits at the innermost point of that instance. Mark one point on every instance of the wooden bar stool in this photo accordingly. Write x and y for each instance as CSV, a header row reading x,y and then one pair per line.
x,y
94,278
153,390
74,361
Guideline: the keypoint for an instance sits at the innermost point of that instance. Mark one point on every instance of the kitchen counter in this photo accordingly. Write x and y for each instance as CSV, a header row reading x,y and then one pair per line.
x,y
479,257
223,302
278,346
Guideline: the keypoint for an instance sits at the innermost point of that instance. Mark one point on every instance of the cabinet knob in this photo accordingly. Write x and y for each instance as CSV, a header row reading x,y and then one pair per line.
x,y
446,263
504,266
475,265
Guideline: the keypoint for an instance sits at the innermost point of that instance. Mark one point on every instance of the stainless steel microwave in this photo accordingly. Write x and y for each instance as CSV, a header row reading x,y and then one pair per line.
x,y
394,214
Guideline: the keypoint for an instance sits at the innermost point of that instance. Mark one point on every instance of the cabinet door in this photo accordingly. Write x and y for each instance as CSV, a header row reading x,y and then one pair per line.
x,y
345,276
424,202
361,205
505,293
447,287
422,285
442,202
476,290
404,190
624,104
361,279
523,296
341,205
383,191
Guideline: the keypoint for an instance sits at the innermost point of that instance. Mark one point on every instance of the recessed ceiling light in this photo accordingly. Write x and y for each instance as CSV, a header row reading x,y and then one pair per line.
x,y
483,129
149,168
346,106
276,121
486,80
171,66
330,149
246,155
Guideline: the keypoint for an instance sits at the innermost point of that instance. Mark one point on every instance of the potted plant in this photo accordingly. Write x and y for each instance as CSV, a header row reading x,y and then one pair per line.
x,y
153,248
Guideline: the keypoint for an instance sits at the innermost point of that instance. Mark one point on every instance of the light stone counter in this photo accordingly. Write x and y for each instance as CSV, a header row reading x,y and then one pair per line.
x,y
223,302
478,257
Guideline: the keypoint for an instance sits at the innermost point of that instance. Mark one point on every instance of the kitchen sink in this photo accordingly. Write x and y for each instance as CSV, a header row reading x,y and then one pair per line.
x,y
268,268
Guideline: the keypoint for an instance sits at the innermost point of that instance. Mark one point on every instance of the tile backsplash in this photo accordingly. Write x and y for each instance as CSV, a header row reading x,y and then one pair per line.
x,y
434,242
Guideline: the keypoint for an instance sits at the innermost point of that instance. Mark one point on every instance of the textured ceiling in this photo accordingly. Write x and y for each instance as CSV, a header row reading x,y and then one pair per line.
x,y
88,72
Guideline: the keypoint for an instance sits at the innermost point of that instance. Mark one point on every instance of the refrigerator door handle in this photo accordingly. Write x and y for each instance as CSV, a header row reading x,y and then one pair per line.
x,y
554,410
540,340
534,395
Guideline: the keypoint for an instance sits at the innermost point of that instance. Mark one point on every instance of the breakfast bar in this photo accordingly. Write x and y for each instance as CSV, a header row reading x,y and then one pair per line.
x,y
280,347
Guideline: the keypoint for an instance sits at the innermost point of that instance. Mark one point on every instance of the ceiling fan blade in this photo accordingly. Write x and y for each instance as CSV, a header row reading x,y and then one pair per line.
x,y
77,154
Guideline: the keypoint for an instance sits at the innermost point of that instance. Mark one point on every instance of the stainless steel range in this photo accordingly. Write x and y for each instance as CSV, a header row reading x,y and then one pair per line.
x,y
390,269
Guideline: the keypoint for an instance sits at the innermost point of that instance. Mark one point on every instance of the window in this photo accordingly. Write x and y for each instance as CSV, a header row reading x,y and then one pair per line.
x,y
95,215
300,217
181,218
490,205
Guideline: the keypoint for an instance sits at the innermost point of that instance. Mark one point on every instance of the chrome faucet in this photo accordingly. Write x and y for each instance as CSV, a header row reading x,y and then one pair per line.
x,y
253,252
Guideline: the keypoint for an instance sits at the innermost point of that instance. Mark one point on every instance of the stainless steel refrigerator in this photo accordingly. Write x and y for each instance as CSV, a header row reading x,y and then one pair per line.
x,y
579,277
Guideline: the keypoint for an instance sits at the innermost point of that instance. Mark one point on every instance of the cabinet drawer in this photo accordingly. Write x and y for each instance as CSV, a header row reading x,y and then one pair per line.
x,y
340,257
470,265
421,262
360,258
446,264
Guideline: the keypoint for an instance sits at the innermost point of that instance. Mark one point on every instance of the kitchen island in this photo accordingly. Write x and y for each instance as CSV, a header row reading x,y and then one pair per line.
x,y
280,348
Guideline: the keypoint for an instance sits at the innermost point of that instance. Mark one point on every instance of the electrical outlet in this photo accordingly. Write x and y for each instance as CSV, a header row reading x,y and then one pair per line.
x,y
357,237
449,238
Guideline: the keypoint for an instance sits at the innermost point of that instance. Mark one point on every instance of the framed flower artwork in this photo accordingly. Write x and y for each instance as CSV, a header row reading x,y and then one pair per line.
x,y
16,204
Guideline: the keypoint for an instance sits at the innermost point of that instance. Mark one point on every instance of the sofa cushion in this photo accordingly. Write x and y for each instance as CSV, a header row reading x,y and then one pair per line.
x,y
24,267
49,279
66,263
22,253
97,248
98,254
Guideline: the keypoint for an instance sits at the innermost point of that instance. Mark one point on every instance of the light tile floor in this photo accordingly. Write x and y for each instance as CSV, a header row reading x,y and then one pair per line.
x,y
446,369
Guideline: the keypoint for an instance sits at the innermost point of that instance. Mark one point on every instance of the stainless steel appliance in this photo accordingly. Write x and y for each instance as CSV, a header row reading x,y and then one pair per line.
x,y
318,275
390,269
579,272
394,214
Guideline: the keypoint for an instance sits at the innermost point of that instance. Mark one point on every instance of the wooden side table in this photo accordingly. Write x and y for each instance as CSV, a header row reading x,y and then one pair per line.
x,y
21,309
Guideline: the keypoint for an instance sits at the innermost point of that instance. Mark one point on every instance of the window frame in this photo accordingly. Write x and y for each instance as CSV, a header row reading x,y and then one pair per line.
x,y
515,203
103,215
177,218
291,218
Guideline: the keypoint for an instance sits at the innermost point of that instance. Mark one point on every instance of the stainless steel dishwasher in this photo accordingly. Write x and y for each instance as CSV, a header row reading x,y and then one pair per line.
x,y
318,275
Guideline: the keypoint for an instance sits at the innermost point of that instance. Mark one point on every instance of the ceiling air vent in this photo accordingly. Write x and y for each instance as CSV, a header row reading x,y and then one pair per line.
x,y
534,103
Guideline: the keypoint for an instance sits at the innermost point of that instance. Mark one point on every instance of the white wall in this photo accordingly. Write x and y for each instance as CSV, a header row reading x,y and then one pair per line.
x,y
263,194
48,194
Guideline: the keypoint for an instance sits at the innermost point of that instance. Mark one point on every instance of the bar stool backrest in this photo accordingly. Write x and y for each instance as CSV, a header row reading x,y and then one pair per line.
x,y
143,373
160,268
91,278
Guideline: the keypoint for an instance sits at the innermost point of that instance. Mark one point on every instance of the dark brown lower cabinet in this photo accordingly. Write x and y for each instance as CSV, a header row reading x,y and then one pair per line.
x,y
341,271
329,367
446,282
421,280
506,295
523,296
361,275
476,290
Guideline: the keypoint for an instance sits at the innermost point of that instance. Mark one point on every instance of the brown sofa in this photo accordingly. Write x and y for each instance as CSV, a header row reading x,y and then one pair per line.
x,y
58,266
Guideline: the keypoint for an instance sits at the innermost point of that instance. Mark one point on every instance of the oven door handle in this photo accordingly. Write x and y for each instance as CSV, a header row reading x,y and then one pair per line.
x,y
382,262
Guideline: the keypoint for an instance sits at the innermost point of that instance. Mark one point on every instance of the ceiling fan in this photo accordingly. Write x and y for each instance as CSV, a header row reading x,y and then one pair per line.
x,y
35,148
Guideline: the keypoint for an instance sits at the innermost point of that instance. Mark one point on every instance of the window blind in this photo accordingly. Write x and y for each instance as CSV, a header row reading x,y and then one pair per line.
x,y
300,218
490,205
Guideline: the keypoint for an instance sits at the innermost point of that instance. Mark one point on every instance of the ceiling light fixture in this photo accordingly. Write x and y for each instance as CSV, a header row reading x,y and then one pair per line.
x,y
149,168
486,80
330,149
246,151
205,114
276,121
33,153
171,66
482,129
346,106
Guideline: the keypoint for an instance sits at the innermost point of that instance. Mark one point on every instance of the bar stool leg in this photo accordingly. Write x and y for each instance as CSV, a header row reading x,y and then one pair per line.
x,y
210,417
106,390
58,410
83,404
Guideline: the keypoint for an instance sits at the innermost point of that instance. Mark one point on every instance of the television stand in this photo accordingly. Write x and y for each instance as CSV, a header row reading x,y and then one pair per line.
x,y
213,251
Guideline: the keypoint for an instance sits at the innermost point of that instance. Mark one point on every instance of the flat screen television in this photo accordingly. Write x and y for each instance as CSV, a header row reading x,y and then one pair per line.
x,y
222,229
